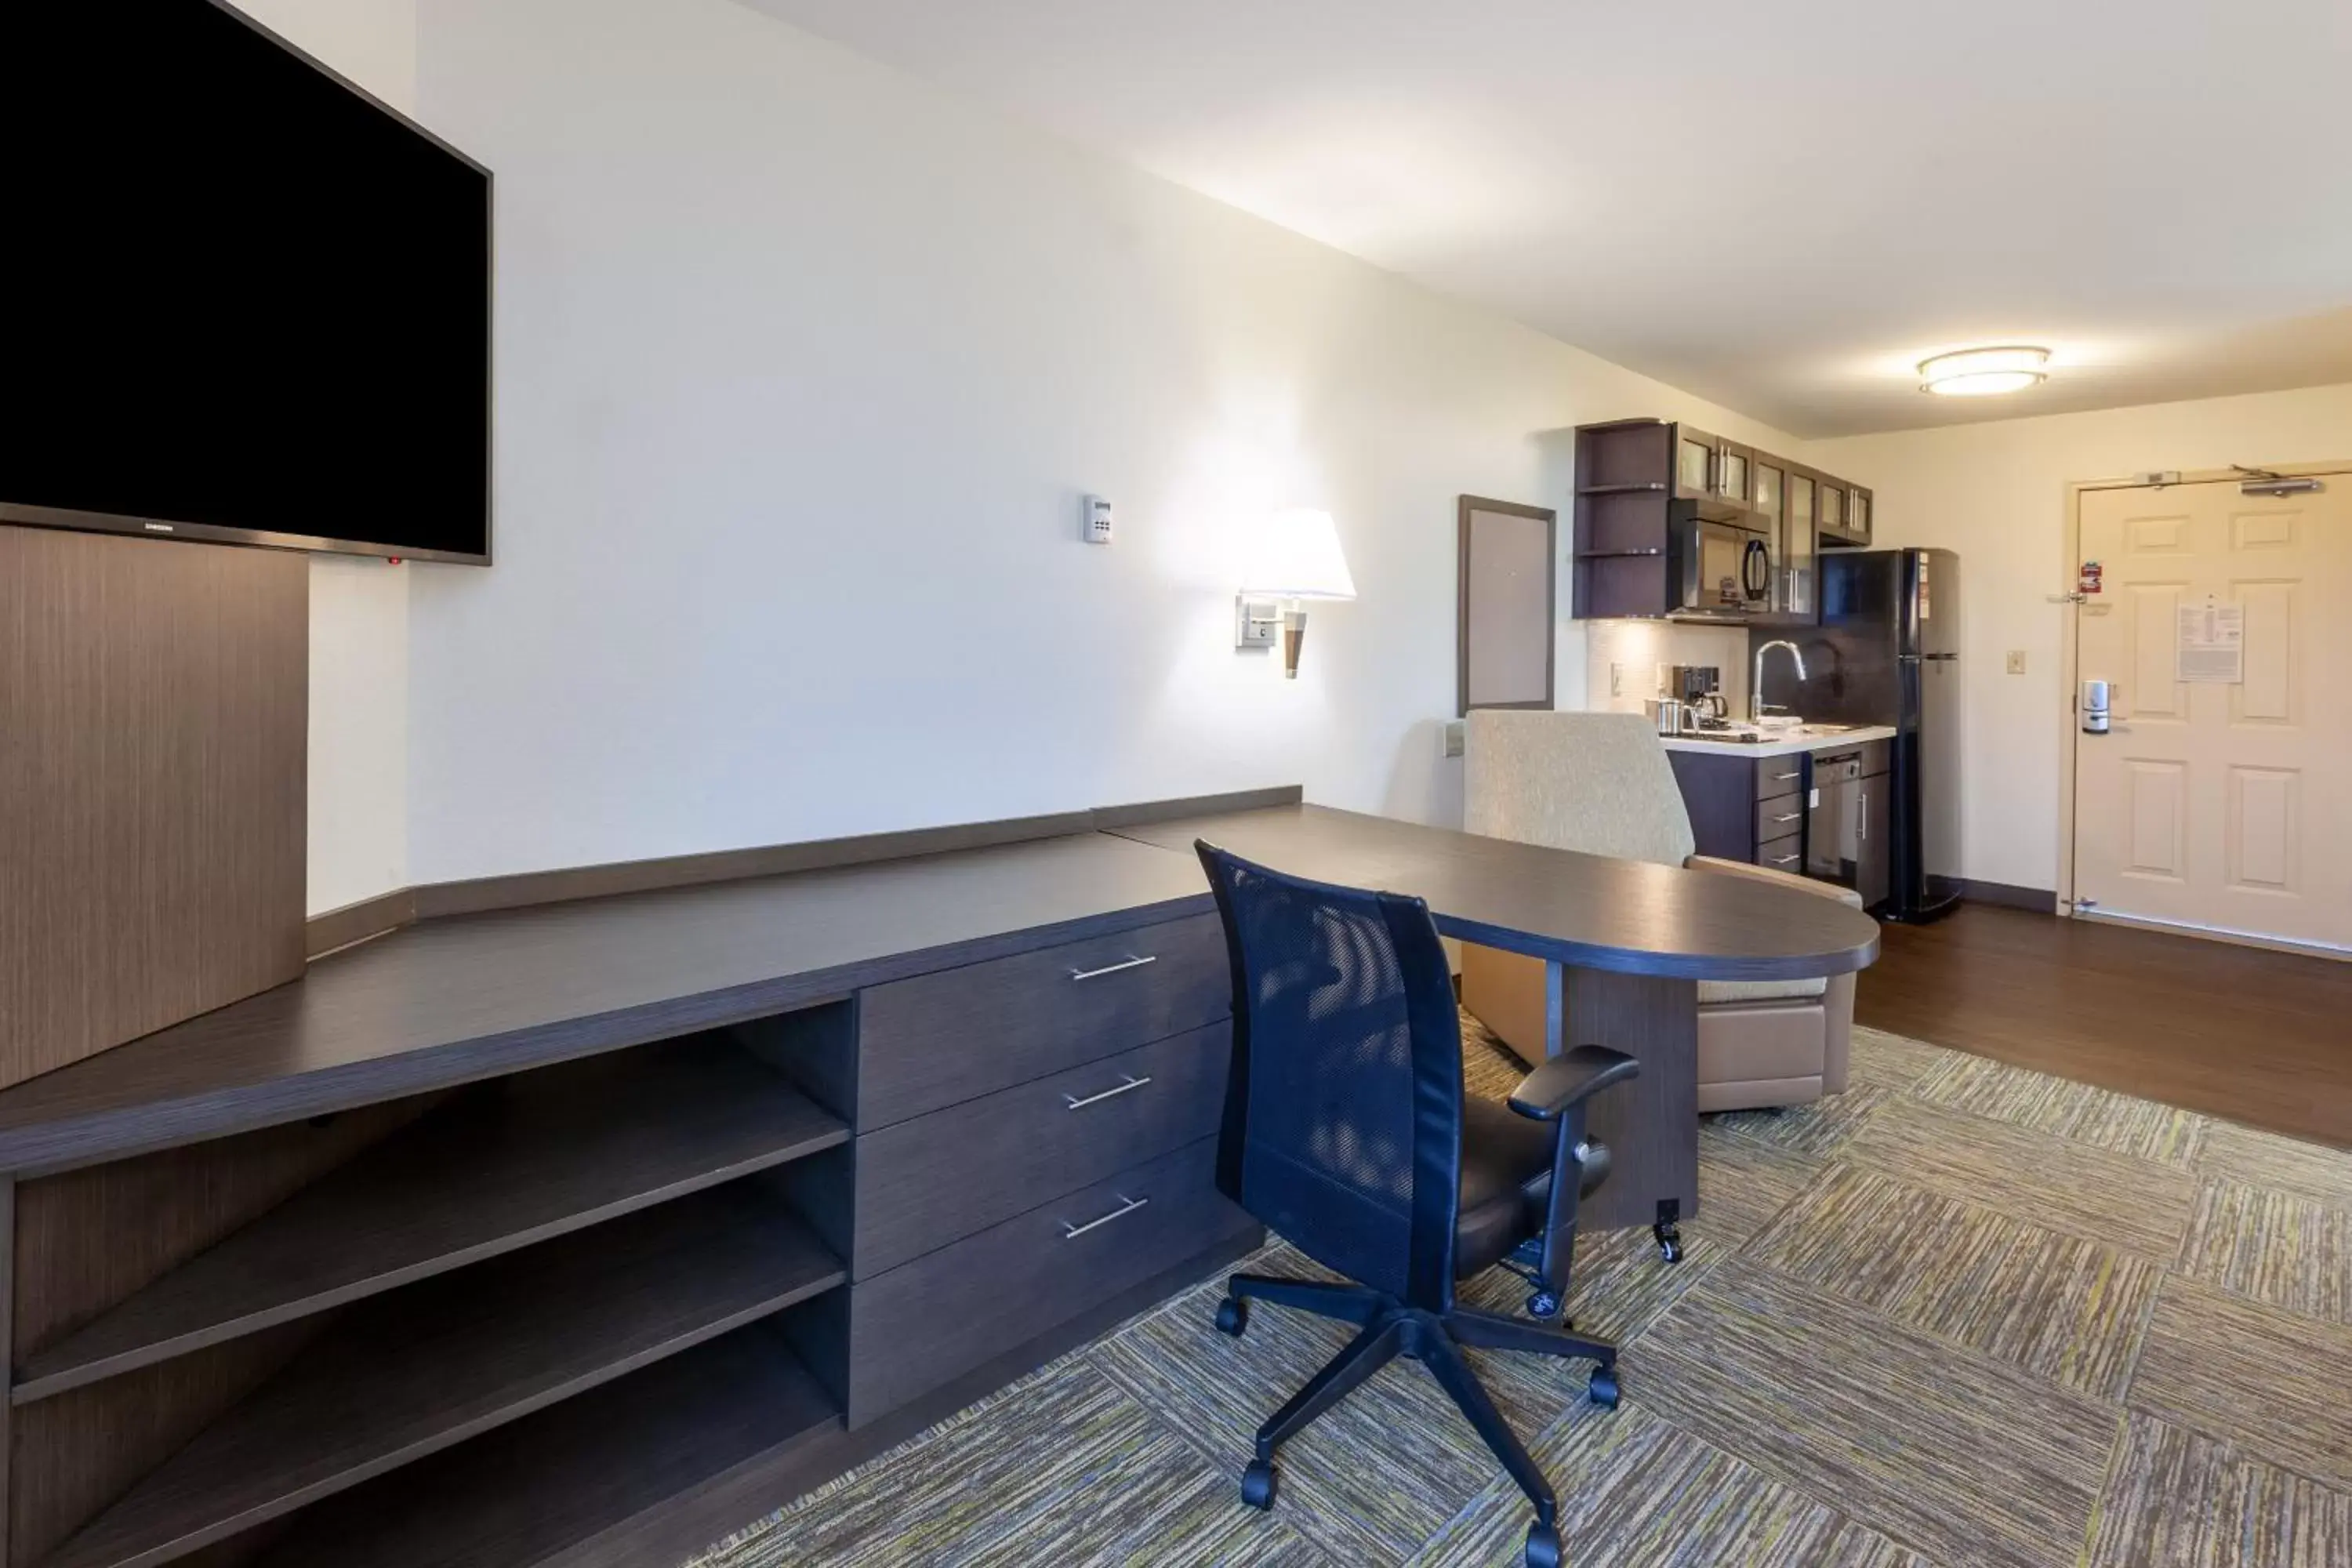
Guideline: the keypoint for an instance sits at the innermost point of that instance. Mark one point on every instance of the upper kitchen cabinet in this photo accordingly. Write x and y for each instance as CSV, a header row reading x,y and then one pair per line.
x,y
1712,472
1673,520
1790,493
1844,513
1832,508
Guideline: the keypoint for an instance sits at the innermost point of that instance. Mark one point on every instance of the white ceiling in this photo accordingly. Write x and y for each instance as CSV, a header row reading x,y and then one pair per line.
x,y
1781,206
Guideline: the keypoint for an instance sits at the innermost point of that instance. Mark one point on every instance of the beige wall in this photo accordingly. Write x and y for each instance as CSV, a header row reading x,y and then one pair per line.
x,y
1996,494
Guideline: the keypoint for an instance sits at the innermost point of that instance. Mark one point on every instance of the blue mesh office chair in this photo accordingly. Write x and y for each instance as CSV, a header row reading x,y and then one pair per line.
x,y
1347,1132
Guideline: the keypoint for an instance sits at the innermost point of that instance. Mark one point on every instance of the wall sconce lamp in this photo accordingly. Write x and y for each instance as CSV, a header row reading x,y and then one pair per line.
x,y
1296,556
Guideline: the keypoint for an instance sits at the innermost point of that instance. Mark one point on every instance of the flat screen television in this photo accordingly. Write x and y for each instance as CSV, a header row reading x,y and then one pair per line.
x,y
240,298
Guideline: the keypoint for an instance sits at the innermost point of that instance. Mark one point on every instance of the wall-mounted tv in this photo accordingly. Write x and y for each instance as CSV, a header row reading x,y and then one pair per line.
x,y
240,298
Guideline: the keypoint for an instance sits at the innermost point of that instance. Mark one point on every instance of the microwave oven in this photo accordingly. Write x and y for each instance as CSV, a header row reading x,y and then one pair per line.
x,y
1725,570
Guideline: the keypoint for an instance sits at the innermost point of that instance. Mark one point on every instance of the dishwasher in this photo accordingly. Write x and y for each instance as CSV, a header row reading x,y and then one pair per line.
x,y
1847,825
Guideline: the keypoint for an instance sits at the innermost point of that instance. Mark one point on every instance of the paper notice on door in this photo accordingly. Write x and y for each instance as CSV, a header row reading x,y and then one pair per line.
x,y
2211,650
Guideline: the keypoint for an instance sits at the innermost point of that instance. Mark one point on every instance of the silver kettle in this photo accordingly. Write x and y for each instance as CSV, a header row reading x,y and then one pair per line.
x,y
1671,716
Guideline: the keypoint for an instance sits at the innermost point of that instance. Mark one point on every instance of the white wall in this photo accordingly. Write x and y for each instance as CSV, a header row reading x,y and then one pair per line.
x,y
802,367
1996,493
359,608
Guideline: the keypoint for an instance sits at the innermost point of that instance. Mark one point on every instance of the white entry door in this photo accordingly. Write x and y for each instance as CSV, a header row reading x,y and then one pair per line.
x,y
2223,804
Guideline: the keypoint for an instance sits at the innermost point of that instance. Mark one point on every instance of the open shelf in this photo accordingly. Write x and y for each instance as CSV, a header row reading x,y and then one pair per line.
x,y
565,1484
400,1377
501,1166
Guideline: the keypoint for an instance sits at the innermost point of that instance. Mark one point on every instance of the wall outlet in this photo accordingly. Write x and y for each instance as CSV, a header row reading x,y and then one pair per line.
x,y
1616,680
1451,740
2017,661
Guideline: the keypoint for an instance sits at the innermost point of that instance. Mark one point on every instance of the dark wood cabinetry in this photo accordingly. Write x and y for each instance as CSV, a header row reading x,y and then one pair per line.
x,y
1648,490
630,1210
1744,808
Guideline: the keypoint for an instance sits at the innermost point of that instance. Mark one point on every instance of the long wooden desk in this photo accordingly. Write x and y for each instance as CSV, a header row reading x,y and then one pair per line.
x,y
1625,944
585,1232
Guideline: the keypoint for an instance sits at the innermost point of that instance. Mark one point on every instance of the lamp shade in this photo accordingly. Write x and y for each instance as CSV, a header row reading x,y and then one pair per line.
x,y
1296,556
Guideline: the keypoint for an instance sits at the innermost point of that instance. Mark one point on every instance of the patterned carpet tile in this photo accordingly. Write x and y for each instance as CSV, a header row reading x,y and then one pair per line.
x,y
1956,1455
1890,1061
1376,1477
1069,1469
2287,1165
1743,1185
2069,1310
2176,1499
1636,1493
1819,1129
2274,1381
2095,1116
2281,1248
2074,1188
1617,1286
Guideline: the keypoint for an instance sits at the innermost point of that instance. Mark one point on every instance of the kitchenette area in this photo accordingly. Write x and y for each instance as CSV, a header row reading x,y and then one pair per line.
x,y
1804,685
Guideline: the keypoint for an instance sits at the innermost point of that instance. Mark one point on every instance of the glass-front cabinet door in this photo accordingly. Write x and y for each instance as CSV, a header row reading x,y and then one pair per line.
x,y
1857,514
1731,468
1832,507
1694,465
1799,547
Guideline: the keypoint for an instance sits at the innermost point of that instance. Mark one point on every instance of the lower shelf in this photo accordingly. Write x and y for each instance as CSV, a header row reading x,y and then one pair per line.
x,y
413,1372
558,1484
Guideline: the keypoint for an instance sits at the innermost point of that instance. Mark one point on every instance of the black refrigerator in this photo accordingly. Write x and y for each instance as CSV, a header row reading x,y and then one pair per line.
x,y
1887,651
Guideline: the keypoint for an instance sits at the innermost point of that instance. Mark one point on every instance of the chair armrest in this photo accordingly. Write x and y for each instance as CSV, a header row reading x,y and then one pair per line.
x,y
1780,878
1570,1078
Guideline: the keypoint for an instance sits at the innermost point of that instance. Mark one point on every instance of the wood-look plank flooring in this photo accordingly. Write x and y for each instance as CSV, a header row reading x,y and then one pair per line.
x,y
2243,1033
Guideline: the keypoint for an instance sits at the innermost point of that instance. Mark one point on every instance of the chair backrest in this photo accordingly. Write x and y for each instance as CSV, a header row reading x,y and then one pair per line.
x,y
1343,1110
1597,782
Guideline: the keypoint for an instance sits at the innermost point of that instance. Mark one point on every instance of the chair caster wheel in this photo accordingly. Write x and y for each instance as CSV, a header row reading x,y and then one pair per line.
x,y
1543,1546
1257,1484
1670,1242
1543,1304
1602,1389
1233,1316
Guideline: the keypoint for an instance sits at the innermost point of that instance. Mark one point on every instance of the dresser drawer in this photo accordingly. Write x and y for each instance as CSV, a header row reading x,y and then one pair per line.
x,y
939,1316
936,1179
1779,776
940,1040
1783,854
1779,818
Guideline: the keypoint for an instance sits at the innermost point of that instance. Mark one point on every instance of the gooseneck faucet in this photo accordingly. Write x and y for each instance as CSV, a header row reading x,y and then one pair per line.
x,y
1756,703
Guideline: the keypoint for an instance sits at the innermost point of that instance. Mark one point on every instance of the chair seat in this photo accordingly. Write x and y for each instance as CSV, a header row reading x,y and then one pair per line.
x,y
1507,1182
1712,992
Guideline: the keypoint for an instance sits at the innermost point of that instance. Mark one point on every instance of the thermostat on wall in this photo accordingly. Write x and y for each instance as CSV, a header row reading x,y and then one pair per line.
x,y
1094,527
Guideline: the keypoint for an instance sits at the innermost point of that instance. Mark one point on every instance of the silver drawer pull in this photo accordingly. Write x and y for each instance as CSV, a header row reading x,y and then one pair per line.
x,y
1128,963
1784,860
1131,1084
1792,816
1784,778
1127,1205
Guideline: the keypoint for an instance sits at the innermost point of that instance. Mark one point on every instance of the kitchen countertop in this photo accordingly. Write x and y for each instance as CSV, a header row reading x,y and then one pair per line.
x,y
1797,741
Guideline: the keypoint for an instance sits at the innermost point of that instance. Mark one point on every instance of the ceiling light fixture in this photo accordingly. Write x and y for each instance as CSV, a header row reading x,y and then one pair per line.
x,y
1983,372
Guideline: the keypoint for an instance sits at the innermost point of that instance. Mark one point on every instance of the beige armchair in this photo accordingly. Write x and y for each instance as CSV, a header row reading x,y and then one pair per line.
x,y
1600,783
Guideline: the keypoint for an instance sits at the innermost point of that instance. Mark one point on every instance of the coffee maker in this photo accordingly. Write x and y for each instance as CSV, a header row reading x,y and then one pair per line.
x,y
1699,687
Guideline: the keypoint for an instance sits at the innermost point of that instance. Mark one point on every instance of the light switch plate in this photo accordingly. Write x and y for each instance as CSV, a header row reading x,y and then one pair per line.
x,y
2017,661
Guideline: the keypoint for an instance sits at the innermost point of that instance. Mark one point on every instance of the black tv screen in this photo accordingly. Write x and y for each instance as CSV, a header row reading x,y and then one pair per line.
x,y
240,300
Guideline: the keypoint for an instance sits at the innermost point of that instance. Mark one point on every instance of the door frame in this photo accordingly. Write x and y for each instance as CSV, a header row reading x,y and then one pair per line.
x,y
2070,657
